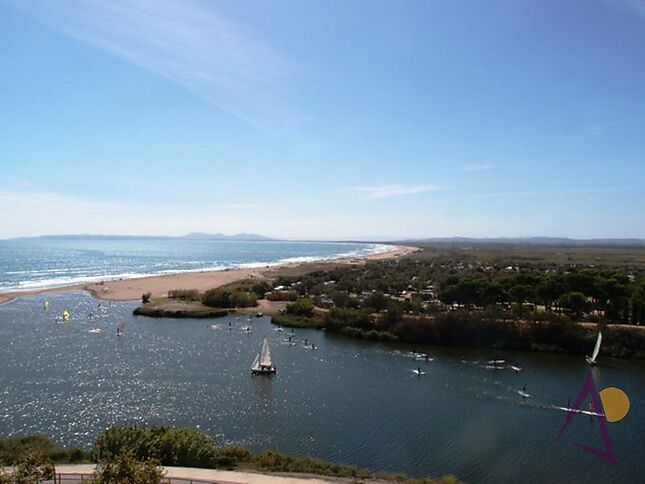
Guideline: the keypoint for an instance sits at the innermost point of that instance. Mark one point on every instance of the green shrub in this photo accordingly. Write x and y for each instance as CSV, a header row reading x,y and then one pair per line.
x,y
227,298
301,307
33,467
184,294
175,447
231,456
126,468
145,297
13,449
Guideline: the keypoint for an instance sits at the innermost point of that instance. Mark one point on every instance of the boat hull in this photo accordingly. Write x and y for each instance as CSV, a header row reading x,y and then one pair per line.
x,y
263,371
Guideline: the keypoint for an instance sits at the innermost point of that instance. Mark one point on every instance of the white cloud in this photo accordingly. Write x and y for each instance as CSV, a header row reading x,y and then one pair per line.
x,y
386,191
186,42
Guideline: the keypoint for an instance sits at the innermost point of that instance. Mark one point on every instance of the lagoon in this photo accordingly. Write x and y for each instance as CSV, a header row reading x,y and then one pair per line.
x,y
349,401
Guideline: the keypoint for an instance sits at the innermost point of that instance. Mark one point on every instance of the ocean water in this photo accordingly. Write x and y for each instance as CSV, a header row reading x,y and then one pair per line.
x,y
50,262
349,401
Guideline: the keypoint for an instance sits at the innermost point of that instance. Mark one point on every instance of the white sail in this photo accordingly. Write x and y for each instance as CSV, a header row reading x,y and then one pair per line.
x,y
256,362
265,359
596,350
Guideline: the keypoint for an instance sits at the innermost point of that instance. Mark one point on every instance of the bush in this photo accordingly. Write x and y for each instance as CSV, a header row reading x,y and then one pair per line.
x,y
301,307
175,447
282,296
189,294
125,468
13,449
226,298
33,467
231,456
145,297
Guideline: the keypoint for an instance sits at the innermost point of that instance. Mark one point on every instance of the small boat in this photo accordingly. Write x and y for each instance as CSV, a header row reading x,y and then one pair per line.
x,y
523,394
496,362
310,347
258,315
95,330
215,326
516,369
418,372
279,328
262,364
579,411
593,359
247,329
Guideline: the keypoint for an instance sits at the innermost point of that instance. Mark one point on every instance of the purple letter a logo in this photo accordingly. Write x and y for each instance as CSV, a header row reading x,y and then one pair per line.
x,y
589,388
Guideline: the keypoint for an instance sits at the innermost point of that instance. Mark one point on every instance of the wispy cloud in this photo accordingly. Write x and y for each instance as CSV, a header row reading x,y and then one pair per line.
x,y
387,191
478,167
186,42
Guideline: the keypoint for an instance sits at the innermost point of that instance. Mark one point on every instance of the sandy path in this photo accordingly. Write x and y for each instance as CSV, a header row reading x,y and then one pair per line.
x,y
212,475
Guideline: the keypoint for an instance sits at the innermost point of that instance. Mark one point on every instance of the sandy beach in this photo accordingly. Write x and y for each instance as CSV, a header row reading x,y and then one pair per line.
x,y
159,285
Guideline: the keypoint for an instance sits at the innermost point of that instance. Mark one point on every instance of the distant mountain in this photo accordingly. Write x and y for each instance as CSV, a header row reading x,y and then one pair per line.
x,y
200,235
555,241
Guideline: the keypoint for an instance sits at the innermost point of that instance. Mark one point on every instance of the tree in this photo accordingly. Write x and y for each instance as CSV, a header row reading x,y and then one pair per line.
x,y
519,294
575,302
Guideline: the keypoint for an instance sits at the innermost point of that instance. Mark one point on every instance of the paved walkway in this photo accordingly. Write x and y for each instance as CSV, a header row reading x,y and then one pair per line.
x,y
72,474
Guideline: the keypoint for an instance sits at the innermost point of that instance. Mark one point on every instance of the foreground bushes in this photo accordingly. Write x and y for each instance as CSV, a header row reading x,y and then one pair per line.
x,y
133,454
125,468
170,446
13,450
32,467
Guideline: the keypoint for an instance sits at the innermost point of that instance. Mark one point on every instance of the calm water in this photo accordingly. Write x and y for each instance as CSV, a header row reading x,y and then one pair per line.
x,y
349,401
34,263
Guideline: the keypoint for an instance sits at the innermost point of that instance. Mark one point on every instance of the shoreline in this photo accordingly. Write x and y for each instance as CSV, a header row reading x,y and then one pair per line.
x,y
159,285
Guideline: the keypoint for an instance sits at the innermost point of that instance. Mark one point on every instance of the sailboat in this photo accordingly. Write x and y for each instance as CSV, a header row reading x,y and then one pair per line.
x,y
262,364
593,360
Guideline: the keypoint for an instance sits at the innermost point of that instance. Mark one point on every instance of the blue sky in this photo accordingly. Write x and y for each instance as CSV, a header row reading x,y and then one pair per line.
x,y
335,119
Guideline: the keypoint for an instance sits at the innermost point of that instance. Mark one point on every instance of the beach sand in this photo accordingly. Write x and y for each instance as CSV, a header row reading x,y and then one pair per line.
x,y
157,286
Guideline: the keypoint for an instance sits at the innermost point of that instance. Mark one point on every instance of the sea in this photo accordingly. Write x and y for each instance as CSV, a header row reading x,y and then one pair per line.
x,y
36,263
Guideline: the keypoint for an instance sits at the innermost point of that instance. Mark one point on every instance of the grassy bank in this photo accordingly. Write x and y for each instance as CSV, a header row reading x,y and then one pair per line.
x,y
171,308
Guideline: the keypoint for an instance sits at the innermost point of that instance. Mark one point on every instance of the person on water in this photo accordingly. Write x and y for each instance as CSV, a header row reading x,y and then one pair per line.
x,y
419,370
568,403
305,341
524,388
